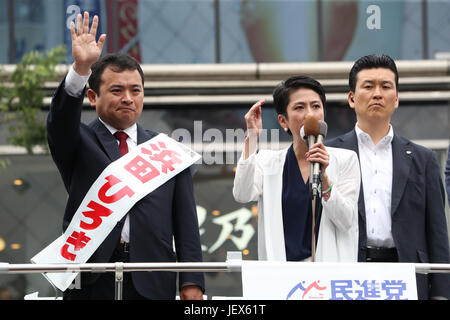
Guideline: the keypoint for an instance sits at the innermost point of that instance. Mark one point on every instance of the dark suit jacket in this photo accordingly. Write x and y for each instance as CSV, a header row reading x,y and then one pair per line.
x,y
81,152
419,225
447,175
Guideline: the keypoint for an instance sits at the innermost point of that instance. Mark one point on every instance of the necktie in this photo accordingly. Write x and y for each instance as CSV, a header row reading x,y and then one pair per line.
x,y
122,137
123,147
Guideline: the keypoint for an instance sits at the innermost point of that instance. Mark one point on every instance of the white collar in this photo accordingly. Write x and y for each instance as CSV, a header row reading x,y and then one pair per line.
x,y
130,131
365,137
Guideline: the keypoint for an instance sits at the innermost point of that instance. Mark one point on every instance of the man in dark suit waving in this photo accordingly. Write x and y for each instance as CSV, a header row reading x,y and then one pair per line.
x,y
81,152
402,200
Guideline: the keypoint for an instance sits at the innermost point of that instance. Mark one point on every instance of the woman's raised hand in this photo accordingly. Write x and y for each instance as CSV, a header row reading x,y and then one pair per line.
x,y
253,119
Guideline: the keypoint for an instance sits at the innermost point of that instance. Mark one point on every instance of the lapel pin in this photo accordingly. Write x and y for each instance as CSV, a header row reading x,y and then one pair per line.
x,y
408,152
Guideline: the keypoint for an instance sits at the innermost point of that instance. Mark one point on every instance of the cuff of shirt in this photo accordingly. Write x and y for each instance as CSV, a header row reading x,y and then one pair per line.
x,y
75,83
249,160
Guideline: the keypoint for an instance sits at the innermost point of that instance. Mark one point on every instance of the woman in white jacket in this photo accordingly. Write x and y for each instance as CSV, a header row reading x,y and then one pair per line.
x,y
278,180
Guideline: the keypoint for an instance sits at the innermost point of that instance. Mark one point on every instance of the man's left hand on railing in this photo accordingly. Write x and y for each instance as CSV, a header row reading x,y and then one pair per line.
x,y
191,292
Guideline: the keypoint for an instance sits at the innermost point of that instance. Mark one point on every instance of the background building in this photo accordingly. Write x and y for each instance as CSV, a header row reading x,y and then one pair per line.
x,y
205,63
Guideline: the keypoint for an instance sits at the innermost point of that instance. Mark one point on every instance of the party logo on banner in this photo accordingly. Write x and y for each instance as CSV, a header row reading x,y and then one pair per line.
x,y
313,291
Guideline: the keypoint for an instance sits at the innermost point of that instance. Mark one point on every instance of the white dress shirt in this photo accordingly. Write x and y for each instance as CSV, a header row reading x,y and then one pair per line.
x,y
74,86
376,174
75,83
132,143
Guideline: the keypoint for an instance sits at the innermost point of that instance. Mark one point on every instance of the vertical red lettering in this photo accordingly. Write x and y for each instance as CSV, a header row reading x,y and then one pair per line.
x,y
78,240
112,180
142,169
99,211
166,156
66,254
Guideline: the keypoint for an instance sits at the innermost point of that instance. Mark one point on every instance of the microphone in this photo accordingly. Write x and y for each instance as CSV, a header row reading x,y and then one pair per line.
x,y
315,130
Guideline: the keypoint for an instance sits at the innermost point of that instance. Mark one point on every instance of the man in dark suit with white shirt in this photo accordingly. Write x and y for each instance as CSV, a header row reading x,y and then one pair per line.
x,y
81,153
401,202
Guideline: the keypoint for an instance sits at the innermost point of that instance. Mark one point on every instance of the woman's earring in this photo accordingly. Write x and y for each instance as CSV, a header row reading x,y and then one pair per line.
x,y
286,129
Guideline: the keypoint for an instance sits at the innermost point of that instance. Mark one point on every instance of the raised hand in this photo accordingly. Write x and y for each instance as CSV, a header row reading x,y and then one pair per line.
x,y
253,119
85,49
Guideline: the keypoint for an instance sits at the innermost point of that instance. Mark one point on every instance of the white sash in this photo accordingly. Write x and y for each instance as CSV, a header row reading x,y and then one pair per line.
x,y
123,183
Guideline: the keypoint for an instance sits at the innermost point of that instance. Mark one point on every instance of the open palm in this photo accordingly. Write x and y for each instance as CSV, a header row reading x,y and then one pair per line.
x,y
85,49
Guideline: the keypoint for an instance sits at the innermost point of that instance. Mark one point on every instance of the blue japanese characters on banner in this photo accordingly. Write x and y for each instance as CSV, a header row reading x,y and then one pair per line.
x,y
266,280
368,290
350,290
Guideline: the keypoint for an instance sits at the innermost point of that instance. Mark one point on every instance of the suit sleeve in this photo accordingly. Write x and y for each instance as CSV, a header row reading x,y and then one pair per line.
x,y
186,229
447,175
437,235
63,129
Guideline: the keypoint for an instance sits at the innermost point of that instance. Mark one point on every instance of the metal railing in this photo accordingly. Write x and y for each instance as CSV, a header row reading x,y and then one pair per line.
x,y
233,264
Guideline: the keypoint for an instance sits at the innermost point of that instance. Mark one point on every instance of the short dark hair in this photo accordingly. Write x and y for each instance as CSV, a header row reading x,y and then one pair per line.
x,y
282,92
118,62
370,62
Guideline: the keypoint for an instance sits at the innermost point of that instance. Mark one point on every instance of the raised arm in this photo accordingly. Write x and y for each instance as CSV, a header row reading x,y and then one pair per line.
x,y
247,184
63,121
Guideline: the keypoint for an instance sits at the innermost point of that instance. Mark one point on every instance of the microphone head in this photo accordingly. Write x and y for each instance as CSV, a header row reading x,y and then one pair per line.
x,y
323,128
311,125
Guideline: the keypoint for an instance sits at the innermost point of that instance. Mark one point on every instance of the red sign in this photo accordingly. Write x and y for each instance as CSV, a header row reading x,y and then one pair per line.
x,y
123,26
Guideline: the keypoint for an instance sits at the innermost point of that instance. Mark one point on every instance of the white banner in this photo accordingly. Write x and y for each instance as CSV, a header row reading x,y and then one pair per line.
x,y
262,280
123,183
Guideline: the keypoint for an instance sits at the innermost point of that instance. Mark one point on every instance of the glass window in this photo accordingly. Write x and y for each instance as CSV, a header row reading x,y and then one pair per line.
x,y
4,32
